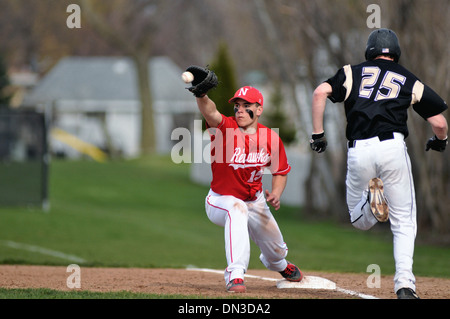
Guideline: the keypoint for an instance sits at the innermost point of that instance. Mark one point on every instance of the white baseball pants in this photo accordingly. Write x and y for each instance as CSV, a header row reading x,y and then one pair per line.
x,y
388,160
243,221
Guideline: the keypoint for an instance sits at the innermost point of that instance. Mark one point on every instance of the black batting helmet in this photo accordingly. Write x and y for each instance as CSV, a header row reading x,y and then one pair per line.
x,y
383,42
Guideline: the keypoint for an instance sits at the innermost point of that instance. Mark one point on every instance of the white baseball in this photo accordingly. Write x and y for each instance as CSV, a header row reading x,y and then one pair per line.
x,y
187,77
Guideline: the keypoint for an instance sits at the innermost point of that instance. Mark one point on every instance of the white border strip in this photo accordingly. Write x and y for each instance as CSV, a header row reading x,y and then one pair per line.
x,y
345,291
357,294
41,250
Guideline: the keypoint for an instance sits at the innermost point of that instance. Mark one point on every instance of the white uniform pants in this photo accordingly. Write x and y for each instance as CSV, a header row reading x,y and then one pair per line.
x,y
389,161
243,221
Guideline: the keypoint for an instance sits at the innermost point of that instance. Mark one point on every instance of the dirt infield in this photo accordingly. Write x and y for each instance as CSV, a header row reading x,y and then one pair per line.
x,y
208,285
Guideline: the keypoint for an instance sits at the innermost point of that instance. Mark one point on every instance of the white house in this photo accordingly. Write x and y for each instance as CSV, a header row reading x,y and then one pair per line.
x,y
96,100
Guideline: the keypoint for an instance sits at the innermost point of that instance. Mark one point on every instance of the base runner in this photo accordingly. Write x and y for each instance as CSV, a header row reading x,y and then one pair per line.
x,y
377,94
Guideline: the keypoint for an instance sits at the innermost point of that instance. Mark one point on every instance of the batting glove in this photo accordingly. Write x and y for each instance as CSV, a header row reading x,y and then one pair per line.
x,y
318,142
436,144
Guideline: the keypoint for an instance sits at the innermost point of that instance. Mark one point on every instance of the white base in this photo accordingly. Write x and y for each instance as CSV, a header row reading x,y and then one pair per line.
x,y
308,282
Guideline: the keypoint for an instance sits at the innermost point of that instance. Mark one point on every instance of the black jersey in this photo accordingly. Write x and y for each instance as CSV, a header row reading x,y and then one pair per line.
x,y
377,95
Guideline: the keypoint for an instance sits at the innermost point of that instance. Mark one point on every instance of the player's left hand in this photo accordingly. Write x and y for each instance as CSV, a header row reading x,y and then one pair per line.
x,y
204,80
436,144
273,200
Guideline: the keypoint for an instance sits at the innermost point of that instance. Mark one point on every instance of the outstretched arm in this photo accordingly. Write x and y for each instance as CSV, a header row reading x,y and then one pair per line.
x,y
209,111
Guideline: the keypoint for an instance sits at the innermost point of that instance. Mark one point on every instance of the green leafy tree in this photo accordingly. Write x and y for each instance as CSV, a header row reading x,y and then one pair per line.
x,y
223,66
276,117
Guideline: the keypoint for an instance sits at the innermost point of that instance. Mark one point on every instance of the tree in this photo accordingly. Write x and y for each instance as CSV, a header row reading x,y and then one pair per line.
x,y
131,28
276,117
223,67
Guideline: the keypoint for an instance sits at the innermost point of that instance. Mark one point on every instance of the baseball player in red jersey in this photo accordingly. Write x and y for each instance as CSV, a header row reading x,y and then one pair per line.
x,y
241,148
377,94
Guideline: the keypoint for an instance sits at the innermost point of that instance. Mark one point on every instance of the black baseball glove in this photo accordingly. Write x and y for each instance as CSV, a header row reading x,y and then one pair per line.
x,y
204,80
318,142
436,144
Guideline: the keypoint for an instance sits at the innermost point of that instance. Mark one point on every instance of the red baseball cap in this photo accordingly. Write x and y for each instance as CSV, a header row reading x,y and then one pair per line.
x,y
249,94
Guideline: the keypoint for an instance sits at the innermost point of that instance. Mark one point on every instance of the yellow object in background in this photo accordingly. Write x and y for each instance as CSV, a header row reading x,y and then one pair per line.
x,y
81,146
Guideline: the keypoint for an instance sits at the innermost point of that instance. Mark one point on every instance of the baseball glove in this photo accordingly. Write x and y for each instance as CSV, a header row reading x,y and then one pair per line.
x,y
204,80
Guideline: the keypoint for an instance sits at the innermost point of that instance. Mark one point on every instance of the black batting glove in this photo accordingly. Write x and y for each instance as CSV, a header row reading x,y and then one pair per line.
x,y
318,142
436,144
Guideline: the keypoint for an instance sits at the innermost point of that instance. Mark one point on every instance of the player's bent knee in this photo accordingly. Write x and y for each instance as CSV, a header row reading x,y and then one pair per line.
x,y
364,223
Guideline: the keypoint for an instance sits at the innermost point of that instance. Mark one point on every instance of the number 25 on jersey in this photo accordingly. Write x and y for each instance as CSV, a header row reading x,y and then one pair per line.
x,y
389,88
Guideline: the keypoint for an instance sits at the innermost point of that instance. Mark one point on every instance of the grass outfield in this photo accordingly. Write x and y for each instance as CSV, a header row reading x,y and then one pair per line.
x,y
55,294
147,213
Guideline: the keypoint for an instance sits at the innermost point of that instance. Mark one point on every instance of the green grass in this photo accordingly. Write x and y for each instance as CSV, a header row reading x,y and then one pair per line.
x,y
44,293
55,294
147,213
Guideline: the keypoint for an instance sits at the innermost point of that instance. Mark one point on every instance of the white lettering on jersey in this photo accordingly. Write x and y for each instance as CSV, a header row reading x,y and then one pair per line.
x,y
253,159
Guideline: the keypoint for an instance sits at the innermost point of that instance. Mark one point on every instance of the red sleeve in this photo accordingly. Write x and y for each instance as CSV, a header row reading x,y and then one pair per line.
x,y
221,125
283,168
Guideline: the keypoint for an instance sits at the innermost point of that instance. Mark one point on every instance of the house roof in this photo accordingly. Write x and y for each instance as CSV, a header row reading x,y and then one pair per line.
x,y
110,79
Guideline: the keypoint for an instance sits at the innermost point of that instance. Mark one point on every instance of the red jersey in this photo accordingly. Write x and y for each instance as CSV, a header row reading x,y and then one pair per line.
x,y
238,160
